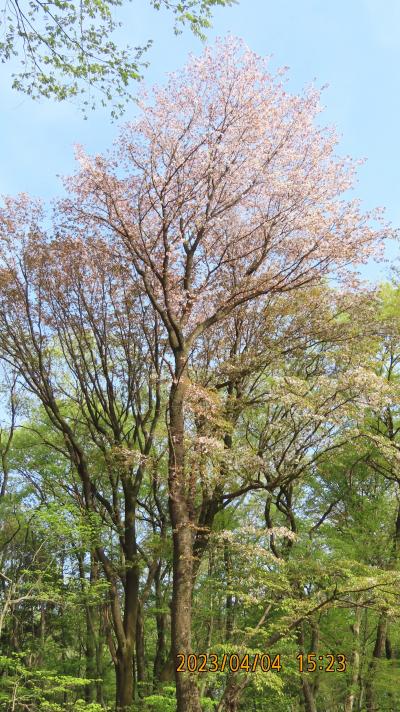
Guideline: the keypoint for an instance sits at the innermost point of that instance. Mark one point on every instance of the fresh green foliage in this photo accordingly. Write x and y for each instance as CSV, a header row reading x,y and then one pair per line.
x,y
69,49
308,565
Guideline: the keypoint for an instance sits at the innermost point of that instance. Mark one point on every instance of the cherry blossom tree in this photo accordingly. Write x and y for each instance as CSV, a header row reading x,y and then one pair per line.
x,y
224,195
225,191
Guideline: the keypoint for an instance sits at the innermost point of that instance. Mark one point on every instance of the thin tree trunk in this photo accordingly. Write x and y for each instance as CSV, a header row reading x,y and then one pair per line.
x,y
140,658
6,472
229,602
306,687
160,656
210,624
99,658
308,694
355,663
91,671
379,649
124,626
91,662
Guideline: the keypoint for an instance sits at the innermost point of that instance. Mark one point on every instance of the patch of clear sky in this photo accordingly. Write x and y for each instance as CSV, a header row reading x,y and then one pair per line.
x,y
353,46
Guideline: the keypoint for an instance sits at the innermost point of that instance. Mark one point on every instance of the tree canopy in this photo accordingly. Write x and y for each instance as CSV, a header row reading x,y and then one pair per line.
x,y
200,445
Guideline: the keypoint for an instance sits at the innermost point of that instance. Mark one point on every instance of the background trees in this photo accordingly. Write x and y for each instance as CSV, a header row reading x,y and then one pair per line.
x,y
64,50
305,564
205,416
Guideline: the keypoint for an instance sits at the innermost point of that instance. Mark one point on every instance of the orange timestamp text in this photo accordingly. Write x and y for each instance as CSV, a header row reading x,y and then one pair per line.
x,y
211,662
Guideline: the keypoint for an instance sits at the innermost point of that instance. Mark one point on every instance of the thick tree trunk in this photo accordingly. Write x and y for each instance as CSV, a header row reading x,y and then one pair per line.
x,y
181,610
124,678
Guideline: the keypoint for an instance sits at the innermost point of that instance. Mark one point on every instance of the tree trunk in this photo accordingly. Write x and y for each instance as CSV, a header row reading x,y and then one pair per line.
x,y
231,702
379,649
91,660
91,671
307,688
99,660
308,694
140,660
187,693
350,699
160,656
124,678
124,626
229,601
6,472
231,697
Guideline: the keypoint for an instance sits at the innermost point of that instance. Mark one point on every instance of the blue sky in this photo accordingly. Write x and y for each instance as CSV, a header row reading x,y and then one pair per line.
x,y
351,45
